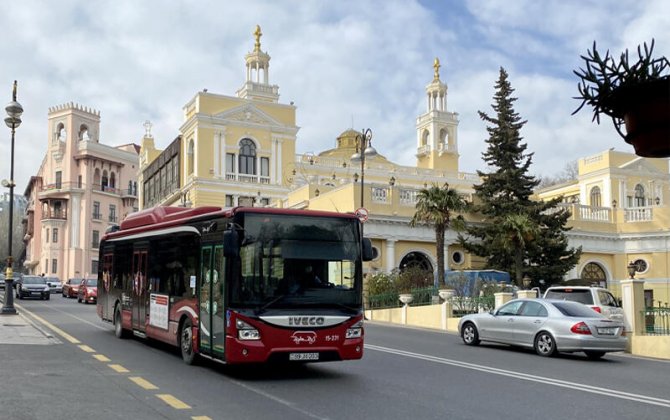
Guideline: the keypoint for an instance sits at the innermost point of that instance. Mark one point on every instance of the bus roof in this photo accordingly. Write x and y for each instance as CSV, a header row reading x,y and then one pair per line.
x,y
165,216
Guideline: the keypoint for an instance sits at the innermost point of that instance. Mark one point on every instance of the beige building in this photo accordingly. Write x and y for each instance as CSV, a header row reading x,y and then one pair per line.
x,y
81,188
620,214
240,150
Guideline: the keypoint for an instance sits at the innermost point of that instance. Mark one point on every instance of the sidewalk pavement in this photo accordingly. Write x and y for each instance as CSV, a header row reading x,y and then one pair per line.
x,y
19,329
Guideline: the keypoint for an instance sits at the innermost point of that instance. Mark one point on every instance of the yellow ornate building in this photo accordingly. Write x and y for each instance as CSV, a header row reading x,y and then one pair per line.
x,y
240,150
620,214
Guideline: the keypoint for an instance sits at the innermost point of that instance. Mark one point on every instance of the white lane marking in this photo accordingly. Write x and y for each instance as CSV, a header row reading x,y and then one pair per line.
x,y
526,377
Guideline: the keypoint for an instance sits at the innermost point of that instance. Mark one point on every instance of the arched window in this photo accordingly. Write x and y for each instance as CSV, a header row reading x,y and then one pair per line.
x,y
96,178
594,273
105,180
444,138
190,157
60,132
112,180
596,200
416,259
639,196
83,133
424,137
247,157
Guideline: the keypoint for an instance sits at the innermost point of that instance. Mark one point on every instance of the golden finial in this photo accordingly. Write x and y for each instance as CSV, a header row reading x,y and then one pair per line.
x,y
14,92
258,34
436,66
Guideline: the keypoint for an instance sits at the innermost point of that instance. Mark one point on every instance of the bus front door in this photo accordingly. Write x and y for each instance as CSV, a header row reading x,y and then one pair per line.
x,y
140,295
212,331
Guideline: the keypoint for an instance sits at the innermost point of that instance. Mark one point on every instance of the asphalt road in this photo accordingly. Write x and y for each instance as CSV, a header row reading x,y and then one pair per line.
x,y
405,373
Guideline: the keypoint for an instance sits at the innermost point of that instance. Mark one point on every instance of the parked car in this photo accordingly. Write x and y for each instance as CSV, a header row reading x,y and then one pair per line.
x,y
55,285
599,299
88,291
33,286
548,326
71,288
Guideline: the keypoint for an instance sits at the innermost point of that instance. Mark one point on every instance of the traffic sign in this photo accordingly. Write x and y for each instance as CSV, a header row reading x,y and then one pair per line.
x,y
362,214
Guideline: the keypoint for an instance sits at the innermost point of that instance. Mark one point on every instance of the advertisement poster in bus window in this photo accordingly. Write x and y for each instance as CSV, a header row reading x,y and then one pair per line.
x,y
158,311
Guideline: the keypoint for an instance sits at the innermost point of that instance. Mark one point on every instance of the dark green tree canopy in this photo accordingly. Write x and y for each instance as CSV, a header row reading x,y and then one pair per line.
x,y
518,235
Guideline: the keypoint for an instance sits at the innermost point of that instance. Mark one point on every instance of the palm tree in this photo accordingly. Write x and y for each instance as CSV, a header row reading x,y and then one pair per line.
x,y
434,207
519,230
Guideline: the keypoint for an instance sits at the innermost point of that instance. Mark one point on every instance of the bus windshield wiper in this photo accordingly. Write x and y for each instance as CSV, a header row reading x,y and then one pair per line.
x,y
263,308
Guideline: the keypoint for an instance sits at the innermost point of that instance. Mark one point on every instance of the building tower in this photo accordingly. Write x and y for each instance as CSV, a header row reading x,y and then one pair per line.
x,y
437,138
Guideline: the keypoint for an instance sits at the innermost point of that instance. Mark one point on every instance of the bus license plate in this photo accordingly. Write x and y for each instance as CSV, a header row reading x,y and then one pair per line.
x,y
303,356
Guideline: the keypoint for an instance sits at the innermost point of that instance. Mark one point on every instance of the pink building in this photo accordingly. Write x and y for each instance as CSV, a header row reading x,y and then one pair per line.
x,y
81,188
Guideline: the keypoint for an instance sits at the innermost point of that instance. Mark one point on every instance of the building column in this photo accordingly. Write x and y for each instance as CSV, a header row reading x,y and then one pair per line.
x,y
390,255
632,294
502,298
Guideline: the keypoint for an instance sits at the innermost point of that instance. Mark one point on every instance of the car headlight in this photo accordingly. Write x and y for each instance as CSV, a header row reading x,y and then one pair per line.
x,y
46,288
246,331
355,331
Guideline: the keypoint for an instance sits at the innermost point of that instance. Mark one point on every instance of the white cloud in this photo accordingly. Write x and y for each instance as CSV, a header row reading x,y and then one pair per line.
x,y
344,64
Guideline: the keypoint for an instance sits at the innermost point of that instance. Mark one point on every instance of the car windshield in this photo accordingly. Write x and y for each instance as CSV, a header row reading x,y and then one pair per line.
x,y
34,280
576,310
92,282
576,295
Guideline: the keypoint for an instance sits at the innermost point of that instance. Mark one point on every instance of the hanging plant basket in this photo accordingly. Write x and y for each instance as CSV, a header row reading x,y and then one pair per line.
x,y
645,111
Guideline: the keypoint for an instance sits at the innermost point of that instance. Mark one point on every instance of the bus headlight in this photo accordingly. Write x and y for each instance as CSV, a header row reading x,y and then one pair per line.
x,y
246,331
355,331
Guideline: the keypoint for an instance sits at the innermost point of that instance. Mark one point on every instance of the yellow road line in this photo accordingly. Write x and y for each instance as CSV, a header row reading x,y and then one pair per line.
x,y
200,418
52,327
102,357
173,402
86,348
119,368
143,382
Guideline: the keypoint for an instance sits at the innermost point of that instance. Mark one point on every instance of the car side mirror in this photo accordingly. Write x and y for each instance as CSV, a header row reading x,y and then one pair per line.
x,y
493,312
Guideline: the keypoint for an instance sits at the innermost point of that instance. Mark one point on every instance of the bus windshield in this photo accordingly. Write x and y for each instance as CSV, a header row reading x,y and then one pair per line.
x,y
297,262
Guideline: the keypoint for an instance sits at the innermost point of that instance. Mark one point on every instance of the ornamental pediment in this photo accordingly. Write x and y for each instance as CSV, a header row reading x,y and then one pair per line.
x,y
641,166
248,114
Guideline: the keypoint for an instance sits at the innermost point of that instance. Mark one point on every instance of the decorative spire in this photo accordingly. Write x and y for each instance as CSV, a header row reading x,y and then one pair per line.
x,y
147,128
258,34
436,66
14,92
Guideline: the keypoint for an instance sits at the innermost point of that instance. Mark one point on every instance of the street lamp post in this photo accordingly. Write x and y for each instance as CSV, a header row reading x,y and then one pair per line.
x,y
13,120
364,150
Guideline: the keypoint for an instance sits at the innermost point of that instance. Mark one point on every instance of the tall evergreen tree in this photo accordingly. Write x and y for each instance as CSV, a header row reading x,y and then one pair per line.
x,y
540,241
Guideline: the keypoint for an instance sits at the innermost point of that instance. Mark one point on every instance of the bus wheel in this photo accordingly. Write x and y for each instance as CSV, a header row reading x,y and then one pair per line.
x,y
118,325
186,342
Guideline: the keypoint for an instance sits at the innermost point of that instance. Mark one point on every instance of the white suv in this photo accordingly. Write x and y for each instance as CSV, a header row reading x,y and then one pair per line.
x,y
597,298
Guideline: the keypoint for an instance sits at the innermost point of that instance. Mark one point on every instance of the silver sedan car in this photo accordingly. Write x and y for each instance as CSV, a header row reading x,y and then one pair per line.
x,y
548,326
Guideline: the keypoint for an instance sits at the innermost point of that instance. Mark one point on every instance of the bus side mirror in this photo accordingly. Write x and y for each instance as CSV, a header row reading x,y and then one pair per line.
x,y
231,243
369,253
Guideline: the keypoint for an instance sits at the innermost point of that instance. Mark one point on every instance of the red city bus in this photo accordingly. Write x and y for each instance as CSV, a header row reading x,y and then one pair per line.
x,y
238,286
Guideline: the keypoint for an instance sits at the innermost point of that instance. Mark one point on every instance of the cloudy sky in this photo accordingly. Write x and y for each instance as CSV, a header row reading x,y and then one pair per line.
x,y
343,63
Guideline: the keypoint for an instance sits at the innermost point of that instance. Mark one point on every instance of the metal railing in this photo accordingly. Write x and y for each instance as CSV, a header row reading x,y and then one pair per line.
x,y
421,297
657,320
464,305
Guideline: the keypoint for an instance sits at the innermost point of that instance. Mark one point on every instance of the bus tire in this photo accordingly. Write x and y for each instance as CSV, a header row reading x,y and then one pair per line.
x,y
186,342
119,332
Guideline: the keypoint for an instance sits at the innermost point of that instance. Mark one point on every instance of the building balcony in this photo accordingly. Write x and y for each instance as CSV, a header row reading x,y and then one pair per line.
x,y
96,216
106,189
248,178
51,214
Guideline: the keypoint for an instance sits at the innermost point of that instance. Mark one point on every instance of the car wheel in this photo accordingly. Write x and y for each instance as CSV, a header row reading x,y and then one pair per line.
x,y
48,297
186,342
469,334
119,332
594,355
544,344
78,299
